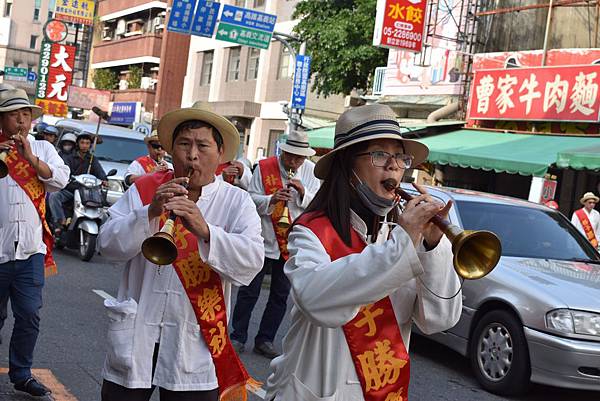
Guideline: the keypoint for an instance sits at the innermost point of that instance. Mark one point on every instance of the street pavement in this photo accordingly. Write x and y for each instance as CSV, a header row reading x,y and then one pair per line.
x,y
71,347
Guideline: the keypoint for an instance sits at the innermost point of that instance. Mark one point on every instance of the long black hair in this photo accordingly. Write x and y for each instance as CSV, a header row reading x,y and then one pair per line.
x,y
337,196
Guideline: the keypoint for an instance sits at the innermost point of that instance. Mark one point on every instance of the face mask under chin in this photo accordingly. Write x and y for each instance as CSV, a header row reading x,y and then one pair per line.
x,y
378,205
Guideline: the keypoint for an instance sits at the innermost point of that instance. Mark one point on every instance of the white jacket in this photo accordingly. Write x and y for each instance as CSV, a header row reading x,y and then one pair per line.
x,y
594,218
152,305
296,207
316,364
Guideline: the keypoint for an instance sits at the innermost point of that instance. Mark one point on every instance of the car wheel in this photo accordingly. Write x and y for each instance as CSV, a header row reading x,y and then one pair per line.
x,y
499,354
87,247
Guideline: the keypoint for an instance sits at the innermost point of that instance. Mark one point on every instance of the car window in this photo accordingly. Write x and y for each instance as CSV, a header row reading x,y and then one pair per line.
x,y
527,232
123,150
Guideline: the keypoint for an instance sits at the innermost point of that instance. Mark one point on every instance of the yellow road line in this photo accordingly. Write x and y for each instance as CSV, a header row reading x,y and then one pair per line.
x,y
45,376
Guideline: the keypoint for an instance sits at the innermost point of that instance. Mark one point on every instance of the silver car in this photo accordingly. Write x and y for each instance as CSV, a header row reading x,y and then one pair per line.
x,y
120,146
536,316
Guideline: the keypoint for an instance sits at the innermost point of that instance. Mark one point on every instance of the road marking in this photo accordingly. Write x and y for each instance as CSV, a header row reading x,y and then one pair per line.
x,y
103,294
259,392
45,376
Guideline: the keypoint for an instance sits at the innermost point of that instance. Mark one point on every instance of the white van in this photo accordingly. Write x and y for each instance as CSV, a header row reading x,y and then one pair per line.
x,y
118,148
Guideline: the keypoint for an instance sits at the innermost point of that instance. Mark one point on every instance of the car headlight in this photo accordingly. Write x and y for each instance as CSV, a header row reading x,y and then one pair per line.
x,y
574,322
115,186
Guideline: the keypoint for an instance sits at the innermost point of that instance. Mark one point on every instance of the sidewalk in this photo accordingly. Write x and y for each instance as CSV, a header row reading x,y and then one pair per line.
x,y
45,376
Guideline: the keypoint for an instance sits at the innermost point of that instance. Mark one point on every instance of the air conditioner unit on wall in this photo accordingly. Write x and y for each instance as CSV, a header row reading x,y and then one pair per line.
x,y
107,33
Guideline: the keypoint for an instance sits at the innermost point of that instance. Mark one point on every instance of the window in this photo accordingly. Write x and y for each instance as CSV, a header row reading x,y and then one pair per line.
x,y
233,67
33,41
258,3
240,3
253,57
36,10
8,8
207,64
284,64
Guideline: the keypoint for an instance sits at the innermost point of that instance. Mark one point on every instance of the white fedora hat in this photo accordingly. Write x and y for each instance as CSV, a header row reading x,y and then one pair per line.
x,y
588,196
170,121
364,123
297,143
15,99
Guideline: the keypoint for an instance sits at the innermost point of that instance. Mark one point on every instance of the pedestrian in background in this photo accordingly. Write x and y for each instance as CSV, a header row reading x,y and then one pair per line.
x,y
152,162
235,173
273,187
25,239
587,219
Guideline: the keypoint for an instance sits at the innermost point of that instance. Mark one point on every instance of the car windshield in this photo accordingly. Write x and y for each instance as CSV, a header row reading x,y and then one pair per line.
x,y
527,232
123,150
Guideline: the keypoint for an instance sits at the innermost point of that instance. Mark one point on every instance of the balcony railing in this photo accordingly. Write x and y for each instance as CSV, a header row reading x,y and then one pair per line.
x,y
130,47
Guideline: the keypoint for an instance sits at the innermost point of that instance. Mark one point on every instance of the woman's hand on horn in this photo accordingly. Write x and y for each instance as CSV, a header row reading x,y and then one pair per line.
x,y
416,216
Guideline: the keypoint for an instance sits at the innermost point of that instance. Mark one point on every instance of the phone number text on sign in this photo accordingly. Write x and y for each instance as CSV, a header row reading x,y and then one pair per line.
x,y
400,24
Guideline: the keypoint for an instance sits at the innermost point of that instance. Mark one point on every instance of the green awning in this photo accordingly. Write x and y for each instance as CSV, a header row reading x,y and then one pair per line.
x,y
321,137
503,152
584,158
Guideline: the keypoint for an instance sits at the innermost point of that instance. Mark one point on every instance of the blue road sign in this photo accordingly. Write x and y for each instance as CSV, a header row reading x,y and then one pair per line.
x,y
182,15
248,18
31,76
205,18
123,113
301,76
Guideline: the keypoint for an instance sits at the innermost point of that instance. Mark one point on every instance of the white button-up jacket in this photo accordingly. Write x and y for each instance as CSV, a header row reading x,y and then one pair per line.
x,y
152,306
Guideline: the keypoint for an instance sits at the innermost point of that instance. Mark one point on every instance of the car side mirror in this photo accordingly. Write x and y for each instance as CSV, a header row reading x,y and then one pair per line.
x,y
111,172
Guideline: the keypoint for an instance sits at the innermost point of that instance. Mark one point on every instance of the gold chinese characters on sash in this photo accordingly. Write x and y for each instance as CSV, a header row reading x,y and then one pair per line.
x,y
271,179
380,358
587,227
205,291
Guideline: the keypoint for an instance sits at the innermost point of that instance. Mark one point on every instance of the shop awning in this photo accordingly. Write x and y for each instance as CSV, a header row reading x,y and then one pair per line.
x,y
321,137
584,158
504,152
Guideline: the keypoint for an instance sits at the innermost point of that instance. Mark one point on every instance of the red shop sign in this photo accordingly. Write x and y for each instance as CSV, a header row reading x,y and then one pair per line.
x,y
400,24
565,93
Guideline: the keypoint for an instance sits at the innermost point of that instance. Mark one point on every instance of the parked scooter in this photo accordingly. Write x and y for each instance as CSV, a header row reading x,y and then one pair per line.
x,y
87,214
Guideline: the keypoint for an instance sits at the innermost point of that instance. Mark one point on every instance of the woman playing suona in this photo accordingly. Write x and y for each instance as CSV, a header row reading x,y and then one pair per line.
x,y
362,271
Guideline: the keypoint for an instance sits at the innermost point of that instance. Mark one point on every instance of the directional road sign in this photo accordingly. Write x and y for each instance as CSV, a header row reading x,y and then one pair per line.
x,y
16,72
182,14
196,17
205,18
301,76
246,27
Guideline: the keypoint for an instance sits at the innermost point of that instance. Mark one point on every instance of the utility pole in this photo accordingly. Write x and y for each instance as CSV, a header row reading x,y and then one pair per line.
x,y
294,115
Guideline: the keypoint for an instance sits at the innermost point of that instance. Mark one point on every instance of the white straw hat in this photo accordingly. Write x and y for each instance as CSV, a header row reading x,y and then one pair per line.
x,y
15,99
297,143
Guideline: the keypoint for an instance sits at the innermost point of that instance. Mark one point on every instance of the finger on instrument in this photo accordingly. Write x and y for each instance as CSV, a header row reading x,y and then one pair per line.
x,y
416,200
419,188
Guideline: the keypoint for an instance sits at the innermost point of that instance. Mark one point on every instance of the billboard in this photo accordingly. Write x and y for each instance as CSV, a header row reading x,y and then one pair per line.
x,y
400,24
55,74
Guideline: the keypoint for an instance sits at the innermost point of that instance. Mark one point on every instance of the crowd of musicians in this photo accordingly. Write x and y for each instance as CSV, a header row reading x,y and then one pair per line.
x,y
360,268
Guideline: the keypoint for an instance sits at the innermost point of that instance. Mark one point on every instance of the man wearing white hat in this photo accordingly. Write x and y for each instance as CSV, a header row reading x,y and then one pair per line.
x,y
277,182
587,219
168,325
34,168
152,162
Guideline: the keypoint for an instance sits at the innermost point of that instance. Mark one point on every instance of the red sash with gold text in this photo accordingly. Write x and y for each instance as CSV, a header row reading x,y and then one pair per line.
x,y
380,358
227,178
205,291
271,179
587,227
25,175
147,163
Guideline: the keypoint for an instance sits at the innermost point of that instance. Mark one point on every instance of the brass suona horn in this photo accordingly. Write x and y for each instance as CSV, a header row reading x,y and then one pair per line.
x,y
284,221
476,253
160,249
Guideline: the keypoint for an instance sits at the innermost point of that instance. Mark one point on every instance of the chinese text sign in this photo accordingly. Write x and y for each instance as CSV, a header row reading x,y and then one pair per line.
x,y
566,93
400,24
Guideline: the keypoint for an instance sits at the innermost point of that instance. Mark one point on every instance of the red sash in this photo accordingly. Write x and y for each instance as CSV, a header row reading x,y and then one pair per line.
x,y
205,291
380,358
587,227
147,163
25,175
271,179
227,178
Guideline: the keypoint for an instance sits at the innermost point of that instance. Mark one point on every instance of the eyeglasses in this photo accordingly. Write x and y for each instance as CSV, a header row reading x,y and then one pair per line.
x,y
156,146
380,158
